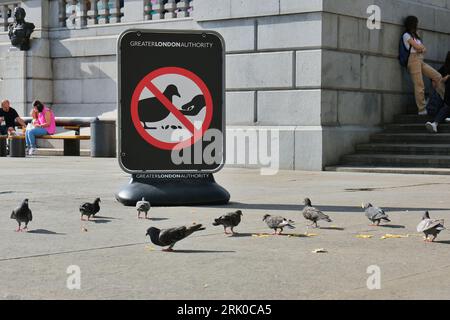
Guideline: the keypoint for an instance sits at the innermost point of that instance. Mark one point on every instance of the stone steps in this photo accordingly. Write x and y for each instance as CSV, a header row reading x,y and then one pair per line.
x,y
398,160
407,149
403,147
412,118
389,170
427,138
414,128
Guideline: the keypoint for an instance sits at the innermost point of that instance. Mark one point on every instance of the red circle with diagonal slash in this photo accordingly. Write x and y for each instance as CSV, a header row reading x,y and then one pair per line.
x,y
146,82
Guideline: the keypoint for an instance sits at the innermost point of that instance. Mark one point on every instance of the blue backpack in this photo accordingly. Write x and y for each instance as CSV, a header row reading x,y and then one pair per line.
x,y
404,53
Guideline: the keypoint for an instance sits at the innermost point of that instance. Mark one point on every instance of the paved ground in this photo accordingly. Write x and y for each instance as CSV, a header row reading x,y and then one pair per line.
x,y
117,261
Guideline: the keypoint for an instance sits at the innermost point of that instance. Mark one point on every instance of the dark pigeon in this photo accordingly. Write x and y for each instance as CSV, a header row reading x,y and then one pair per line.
x,y
169,237
375,214
430,227
143,206
278,222
22,214
229,220
152,110
90,209
314,214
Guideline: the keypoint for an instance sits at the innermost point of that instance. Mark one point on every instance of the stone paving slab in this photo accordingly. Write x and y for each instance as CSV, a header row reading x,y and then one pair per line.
x,y
118,262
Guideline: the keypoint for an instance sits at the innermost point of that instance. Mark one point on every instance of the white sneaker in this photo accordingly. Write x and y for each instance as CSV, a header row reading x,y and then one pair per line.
x,y
423,113
31,151
431,127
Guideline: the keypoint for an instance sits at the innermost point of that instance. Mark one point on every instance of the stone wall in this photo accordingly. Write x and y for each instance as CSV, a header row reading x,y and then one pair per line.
x,y
308,68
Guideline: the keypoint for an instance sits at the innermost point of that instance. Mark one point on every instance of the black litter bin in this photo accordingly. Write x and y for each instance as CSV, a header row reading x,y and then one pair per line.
x,y
3,152
16,146
103,138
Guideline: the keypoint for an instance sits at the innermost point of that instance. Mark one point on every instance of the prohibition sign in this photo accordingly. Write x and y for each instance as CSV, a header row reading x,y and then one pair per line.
x,y
146,82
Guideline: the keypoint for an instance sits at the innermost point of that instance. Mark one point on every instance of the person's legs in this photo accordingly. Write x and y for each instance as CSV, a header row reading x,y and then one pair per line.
x,y
443,114
27,138
419,91
447,93
435,76
415,70
3,130
32,134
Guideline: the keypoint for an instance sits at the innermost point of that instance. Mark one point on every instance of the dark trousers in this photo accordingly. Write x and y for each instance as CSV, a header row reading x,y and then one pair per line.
x,y
438,108
3,130
444,112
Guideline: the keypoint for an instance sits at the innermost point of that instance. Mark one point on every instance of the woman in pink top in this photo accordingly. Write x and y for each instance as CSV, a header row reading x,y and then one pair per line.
x,y
44,124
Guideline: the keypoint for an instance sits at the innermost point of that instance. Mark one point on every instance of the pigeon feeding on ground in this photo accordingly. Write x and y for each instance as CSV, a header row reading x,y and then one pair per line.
x,y
430,227
375,214
229,220
153,110
90,209
142,206
169,237
22,214
313,214
278,222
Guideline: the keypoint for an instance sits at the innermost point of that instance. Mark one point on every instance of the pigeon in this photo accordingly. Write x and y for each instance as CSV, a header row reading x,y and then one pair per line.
x,y
152,110
169,237
142,206
90,209
229,220
314,214
193,107
375,214
22,214
430,227
278,222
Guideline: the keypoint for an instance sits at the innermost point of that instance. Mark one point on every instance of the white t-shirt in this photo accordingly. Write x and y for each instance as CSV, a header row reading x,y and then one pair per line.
x,y
406,38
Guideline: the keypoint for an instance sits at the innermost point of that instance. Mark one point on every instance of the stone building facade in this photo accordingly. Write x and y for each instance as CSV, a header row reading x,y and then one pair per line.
x,y
310,69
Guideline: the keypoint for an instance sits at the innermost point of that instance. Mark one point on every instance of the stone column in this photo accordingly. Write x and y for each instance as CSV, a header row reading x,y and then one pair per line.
x,y
133,10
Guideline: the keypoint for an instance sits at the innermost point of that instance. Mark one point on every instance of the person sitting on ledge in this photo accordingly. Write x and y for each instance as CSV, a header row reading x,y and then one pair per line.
x,y
43,124
9,116
437,107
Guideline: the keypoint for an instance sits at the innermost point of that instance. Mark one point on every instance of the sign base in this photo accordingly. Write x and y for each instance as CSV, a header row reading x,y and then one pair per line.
x,y
173,189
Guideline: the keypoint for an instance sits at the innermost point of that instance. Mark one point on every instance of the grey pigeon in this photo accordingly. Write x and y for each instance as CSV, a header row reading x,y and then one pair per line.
x,y
375,214
278,222
90,209
169,237
142,206
22,214
229,220
430,227
314,214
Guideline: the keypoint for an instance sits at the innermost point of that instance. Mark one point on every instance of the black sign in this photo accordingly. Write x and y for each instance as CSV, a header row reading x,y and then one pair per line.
x,y
171,101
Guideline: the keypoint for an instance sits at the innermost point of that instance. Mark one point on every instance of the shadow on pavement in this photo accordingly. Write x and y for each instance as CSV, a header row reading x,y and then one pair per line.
x,y
96,220
44,231
201,251
443,242
299,207
392,226
332,228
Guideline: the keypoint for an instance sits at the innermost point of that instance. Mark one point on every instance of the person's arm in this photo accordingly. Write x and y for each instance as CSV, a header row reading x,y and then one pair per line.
x,y
419,47
48,119
21,122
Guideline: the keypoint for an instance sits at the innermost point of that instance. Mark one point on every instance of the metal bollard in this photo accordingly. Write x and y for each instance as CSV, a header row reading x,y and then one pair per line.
x,y
16,147
3,147
103,138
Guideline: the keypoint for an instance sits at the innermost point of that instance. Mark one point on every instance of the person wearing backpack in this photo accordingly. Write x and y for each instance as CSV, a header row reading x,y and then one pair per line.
x,y
412,52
